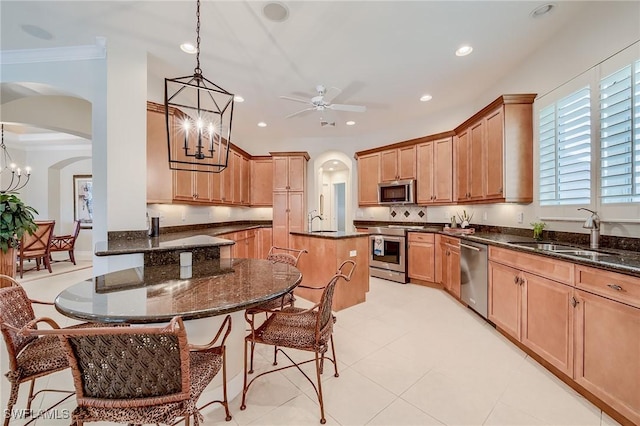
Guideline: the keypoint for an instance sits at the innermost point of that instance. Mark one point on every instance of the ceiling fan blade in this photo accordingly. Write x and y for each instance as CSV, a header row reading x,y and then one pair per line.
x,y
331,93
304,101
300,112
350,108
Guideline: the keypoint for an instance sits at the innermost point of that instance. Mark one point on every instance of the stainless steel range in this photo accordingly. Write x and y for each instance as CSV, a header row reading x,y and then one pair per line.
x,y
387,252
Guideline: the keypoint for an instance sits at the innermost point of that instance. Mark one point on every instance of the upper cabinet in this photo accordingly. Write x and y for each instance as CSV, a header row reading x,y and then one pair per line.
x,y
289,172
493,160
158,172
261,170
435,171
368,178
398,163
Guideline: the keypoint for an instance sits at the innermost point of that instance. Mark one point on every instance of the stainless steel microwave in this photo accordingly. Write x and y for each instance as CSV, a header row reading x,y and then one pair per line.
x,y
397,192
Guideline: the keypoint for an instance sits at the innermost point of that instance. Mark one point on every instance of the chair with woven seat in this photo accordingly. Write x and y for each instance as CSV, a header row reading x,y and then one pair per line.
x,y
139,375
30,357
37,245
65,243
308,330
279,255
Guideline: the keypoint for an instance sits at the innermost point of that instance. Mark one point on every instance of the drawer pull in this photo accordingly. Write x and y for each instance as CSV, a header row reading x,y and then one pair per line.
x,y
574,302
615,287
516,279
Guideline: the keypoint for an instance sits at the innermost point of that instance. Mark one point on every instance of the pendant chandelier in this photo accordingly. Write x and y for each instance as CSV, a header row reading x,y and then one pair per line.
x,y
198,117
13,178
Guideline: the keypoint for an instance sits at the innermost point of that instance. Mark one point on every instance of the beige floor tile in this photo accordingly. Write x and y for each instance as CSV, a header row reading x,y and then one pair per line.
x,y
503,415
301,410
401,413
351,346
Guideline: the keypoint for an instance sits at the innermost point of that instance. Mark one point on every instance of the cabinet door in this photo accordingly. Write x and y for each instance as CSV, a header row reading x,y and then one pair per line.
x,y
607,352
476,161
421,257
407,162
389,165
461,167
495,147
425,169
443,170
215,190
280,223
159,177
297,172
297,212
453,272
264,242
261,182
547,320
237,178
183,185
280,174
226,177
505,298
202,186
368,179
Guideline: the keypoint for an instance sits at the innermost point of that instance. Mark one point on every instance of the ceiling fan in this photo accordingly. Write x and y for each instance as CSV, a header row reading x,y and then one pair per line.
x,y
323,101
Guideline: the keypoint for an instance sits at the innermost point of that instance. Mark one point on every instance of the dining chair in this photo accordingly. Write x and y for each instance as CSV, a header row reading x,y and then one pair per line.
x,y
301,329
37,245
65,243
140,375
30,357
277,255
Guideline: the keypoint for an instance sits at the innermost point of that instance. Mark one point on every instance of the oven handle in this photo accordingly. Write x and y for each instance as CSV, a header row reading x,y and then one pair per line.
x,y
398,239
469,247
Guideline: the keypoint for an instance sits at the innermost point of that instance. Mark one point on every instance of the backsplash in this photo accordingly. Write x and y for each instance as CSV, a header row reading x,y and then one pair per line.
x,y
408,214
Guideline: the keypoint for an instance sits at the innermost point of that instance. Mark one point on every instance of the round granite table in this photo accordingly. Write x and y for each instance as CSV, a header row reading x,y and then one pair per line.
x,y
155,294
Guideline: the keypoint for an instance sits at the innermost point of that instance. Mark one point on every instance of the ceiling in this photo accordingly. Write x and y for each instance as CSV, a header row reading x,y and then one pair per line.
x,y
382,54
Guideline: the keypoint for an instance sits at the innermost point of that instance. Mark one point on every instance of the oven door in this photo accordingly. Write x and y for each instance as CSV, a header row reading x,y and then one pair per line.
x,y
393,254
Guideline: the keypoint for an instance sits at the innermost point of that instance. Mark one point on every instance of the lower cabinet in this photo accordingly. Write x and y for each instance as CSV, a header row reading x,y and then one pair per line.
x,y
246,243
607,352
421,256
450,258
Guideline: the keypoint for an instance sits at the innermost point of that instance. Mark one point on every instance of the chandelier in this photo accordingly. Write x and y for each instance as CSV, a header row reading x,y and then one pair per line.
x,y
198,116
18,179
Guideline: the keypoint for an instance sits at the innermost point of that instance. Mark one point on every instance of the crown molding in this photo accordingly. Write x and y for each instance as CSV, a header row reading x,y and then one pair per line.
x,y
55,54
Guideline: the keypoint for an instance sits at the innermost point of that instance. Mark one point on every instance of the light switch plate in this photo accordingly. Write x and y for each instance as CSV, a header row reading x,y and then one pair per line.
x,y
520,217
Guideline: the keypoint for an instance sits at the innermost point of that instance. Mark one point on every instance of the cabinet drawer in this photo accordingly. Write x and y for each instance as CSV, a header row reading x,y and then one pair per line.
x,y
539,265
450,240
419,237
620,287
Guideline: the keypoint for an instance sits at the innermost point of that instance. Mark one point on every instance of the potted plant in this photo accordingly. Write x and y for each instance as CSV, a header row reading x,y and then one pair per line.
x,y
16,218
537,230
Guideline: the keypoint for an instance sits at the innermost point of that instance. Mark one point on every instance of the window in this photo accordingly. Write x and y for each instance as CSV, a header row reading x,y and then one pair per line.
x,y
620,136
564,129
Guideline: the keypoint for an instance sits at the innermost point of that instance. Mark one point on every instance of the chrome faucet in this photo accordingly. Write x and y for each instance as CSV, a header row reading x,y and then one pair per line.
x,y
593,223
311,216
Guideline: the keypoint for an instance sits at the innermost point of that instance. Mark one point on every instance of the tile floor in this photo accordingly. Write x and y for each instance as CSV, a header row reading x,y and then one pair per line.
x,y
410,355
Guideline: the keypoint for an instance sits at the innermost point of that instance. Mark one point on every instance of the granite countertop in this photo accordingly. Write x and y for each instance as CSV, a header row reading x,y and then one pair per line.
x,y
140,243
152,294
334,235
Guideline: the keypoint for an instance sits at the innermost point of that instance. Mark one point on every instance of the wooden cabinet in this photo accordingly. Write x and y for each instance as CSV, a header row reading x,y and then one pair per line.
x,y
368,179
450,257
159,175
289,197
534,309
264,242
261,181
192,186
494,153
607,351
398,163
421,260
435,171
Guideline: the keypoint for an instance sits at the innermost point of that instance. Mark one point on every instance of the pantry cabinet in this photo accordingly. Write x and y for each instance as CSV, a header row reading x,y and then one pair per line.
x,y
289,196
435,171
494,152
368,179
421,256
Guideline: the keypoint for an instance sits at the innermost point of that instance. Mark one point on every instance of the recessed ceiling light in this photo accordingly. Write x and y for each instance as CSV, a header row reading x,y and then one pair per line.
x,y
350,123
188,48
335,163
238,98
425,98
464,50
36,31
275,11
542,10
330,169
262,124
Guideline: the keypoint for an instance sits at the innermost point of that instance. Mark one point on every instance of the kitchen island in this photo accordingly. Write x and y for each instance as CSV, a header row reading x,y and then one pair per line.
x,y
326,251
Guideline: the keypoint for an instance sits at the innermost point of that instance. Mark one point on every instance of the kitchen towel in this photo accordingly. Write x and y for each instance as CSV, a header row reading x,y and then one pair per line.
x,y
378,246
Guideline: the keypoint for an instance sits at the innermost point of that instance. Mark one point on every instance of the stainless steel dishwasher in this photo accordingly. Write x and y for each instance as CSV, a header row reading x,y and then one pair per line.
x,y
473,276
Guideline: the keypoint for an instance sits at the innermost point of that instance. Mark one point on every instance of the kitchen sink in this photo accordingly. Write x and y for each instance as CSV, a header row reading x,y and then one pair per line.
x,y
544,246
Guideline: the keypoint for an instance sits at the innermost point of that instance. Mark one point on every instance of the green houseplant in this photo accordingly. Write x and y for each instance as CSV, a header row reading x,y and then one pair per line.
x,y
537,230
16,218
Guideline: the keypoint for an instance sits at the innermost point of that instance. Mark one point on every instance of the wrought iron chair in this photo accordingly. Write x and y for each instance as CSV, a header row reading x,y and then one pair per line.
x,y
302,329
30,357
280,255
37,245
143,374
65,243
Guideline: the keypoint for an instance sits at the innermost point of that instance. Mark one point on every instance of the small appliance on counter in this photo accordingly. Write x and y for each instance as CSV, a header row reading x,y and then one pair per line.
x,y
154,226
